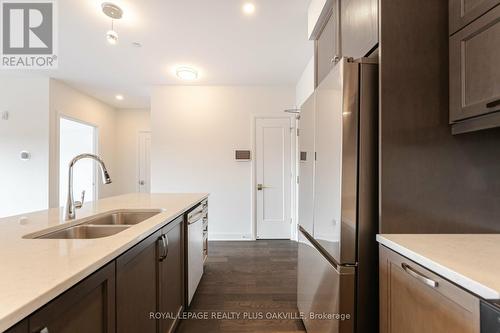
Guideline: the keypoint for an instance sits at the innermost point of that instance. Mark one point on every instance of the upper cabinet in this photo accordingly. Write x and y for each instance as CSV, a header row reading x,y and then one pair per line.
x,y
359,27
475,72
346,28
327,46
463,12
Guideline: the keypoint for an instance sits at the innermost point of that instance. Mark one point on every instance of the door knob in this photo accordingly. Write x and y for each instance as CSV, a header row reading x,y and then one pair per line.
x,y
141,182
260,187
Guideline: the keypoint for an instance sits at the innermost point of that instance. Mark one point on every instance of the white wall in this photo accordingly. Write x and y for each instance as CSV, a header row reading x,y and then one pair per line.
x,y
315,13
194,133
128,125
67,101
305,85
24,184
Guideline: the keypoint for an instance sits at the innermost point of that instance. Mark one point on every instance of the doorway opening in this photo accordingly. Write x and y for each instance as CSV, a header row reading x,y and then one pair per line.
x,y
76,138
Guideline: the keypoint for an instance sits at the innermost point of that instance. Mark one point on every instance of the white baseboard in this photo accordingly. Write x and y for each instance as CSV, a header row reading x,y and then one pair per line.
x,y
229,237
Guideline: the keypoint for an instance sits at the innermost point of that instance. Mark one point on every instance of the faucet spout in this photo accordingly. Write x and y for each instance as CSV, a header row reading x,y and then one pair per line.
x,y
71,206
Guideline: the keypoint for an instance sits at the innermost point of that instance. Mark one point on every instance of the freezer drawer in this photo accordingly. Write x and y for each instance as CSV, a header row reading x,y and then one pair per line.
x,y
325,293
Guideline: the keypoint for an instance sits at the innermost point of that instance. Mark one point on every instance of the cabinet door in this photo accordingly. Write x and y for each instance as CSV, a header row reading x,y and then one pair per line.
x,y
136,287
474,70
171,275
326,46
415,300
463,12
359,27
87,307
21,327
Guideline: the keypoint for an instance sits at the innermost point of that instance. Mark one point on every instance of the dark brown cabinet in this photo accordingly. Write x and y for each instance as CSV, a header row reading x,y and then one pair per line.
x,y
463,12
21,327
327,45
87,307
150,281
171,275
137,288
359,22
474,70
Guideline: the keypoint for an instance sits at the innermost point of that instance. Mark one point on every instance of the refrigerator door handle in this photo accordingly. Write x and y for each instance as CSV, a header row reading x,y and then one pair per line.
x,y
336,265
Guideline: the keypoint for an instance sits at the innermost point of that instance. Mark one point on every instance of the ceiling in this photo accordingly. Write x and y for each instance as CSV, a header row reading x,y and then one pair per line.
x,y
228,47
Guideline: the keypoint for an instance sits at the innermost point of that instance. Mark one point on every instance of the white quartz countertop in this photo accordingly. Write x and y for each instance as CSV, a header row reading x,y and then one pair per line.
x,y
35,271
469,260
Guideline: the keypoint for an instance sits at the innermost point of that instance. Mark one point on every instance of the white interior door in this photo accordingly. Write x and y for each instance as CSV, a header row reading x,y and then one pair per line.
x,y
77,138
273,177
144,163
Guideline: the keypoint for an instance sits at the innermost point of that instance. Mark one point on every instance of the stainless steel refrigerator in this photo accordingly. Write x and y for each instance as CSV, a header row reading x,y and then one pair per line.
x,y
338,220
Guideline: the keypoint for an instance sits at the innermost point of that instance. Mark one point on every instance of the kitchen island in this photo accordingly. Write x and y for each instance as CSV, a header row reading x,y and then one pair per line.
x,y
36,271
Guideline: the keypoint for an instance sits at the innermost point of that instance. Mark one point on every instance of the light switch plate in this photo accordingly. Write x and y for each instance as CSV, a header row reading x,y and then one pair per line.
x,y
5,115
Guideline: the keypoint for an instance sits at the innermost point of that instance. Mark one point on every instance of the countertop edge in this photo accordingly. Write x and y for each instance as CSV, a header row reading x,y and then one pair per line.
x,y
454,277
19,314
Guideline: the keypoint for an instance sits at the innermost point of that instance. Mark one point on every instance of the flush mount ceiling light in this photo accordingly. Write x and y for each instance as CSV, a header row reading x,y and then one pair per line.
x,y
248,8
119,97
114,13
186,73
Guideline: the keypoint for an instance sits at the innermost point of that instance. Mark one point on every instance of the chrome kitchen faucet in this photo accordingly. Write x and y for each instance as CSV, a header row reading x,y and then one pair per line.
x,y
71,205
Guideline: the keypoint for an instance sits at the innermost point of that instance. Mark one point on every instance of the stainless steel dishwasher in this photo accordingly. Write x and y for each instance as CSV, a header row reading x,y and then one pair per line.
x,y
195,252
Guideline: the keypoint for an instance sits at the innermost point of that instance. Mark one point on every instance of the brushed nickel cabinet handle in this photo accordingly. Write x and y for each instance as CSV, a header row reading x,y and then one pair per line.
x,y
163,245
422,278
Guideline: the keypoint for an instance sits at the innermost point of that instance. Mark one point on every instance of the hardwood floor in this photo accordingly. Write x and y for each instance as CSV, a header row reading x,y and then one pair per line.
x,y
253,279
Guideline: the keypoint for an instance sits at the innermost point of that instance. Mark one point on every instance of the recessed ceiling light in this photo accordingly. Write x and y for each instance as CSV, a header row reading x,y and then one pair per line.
x,y
119,97
186,73
248,8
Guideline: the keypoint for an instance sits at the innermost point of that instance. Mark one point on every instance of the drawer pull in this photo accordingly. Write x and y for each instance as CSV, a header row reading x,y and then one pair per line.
x,y
419,276
493,104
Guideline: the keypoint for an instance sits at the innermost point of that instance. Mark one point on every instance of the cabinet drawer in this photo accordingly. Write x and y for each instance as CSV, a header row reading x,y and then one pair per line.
x,y
474,68
414,299
463,12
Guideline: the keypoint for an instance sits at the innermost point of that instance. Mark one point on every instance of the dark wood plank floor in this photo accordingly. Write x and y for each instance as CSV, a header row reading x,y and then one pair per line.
x,y
256,279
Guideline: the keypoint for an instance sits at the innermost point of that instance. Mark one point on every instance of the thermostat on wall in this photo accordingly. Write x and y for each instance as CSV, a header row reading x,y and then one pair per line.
x,y
242,155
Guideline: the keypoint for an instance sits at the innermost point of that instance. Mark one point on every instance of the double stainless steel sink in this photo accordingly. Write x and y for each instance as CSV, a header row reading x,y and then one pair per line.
x,y
100,226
